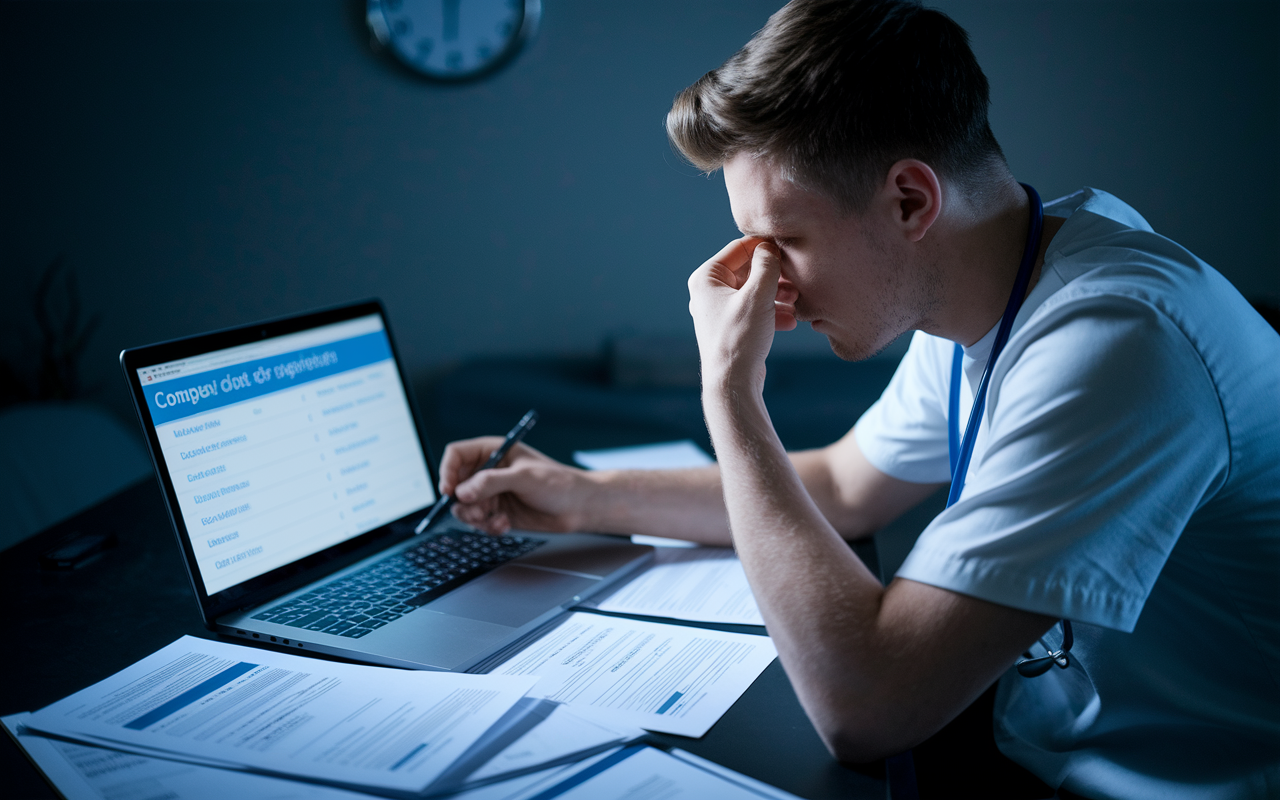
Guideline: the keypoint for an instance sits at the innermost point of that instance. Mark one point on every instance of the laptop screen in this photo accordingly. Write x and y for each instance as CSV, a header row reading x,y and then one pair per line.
x,y
287,446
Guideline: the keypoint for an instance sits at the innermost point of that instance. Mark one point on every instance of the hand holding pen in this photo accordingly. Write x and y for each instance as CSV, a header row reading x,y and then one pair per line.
x,y
495,458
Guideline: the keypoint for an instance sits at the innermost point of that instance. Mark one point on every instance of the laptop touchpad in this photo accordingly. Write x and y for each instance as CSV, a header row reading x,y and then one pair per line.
x,y
512,595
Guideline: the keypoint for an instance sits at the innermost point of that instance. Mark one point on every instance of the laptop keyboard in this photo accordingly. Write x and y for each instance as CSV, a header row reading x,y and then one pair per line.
x,y
362,602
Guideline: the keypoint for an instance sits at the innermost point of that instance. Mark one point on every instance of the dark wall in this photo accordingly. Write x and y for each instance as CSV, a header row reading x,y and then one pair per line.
x,y
203,164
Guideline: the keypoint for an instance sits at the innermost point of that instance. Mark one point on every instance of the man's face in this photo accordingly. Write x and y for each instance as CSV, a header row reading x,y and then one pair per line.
x,y
850,272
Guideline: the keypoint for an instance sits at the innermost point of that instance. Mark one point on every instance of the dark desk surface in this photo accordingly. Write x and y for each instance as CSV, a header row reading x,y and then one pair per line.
x,y
71,629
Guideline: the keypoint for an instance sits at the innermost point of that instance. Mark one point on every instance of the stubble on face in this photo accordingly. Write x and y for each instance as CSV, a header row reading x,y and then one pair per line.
x,y
901,301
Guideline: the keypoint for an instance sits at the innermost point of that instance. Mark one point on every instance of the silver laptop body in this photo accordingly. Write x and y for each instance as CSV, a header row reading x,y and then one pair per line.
x,y
294,469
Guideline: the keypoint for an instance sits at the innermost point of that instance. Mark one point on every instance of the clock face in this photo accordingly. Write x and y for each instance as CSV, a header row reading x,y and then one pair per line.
x,y
453,39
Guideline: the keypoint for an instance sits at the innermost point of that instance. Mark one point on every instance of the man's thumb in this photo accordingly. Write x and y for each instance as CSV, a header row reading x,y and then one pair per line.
x,y
765,270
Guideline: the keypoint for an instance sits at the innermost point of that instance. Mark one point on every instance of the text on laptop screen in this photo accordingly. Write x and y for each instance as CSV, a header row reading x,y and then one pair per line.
x,y
285,447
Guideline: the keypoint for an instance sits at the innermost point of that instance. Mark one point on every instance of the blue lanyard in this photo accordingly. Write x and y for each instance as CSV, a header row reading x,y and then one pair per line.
x,y
961,451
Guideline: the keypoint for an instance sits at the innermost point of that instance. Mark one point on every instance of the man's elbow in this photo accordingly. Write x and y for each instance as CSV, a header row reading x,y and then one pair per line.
x,y
862,741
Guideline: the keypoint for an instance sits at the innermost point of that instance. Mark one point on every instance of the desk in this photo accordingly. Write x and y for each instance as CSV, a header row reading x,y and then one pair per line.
x,y
69,630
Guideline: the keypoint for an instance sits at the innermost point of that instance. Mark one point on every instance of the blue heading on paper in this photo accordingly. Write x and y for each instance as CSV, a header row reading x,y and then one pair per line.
x,y
190,696
196,394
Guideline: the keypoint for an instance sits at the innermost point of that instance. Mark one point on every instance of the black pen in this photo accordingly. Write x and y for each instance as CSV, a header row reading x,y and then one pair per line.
x,y
495,458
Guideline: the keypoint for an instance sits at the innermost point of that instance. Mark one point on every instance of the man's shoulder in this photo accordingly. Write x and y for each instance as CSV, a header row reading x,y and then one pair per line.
x,y
1099,205
1107,261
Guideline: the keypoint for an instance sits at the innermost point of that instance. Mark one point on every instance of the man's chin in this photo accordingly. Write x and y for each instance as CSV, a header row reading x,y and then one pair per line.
x,y
857,352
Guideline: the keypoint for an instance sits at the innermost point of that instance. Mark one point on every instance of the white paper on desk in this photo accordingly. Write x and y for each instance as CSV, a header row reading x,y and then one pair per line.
x,y
95,773
547,734
668,678
80,772
343,724
647,773
706,584
565,733
555,738
666,455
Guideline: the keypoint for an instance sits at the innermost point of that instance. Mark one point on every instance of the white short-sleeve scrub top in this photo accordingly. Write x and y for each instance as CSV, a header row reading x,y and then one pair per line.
x,y
1126,476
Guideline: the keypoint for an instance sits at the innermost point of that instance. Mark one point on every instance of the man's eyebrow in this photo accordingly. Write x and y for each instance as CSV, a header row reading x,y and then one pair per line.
x,y
771,228
748,231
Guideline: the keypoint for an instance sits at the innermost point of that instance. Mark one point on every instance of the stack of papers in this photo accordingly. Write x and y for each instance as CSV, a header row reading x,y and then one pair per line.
x,y
705,584
645,772
666,678
90,773
203,718
392,732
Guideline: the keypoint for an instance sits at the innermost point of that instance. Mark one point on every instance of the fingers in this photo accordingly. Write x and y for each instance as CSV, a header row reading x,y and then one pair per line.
x,y
479,500
462,459
486,484
489,520
727,266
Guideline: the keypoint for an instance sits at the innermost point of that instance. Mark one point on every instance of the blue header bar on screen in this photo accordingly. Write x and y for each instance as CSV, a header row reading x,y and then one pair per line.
x,y
203,391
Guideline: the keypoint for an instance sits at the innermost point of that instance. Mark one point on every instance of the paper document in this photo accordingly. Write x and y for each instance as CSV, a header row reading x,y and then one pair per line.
x,y
79,772
287,715
566,733
646,773
706,584
667,455
667,678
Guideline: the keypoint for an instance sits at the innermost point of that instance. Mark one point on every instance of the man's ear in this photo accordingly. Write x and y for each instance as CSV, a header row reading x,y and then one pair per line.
x,y
914,195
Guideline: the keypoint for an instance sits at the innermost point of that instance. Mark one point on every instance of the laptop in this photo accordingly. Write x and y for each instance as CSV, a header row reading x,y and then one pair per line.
x,y
295,470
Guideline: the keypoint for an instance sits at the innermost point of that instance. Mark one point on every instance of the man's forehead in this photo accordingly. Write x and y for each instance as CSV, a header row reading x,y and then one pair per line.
x,y
759,196
763,200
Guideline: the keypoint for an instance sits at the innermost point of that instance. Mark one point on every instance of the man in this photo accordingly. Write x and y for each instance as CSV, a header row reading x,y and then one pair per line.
x,y
1125,473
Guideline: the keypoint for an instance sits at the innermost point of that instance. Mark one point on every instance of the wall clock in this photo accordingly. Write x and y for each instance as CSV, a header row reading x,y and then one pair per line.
x,y
453,40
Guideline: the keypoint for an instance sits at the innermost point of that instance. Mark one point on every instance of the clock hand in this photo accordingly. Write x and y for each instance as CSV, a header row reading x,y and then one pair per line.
x,y
450,9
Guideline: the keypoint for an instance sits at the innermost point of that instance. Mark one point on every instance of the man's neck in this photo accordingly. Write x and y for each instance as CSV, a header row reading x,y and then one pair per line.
x,y
981,250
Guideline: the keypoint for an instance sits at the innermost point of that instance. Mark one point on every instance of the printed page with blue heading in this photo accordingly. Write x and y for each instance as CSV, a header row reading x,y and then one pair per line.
x,y
282,448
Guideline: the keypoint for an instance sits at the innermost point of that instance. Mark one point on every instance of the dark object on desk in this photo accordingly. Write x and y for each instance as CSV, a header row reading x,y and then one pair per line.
x,y
62,335
59,459
76,550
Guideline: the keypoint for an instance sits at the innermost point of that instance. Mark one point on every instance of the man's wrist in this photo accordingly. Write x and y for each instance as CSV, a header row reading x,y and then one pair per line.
x,y
728,396
597,500
732,383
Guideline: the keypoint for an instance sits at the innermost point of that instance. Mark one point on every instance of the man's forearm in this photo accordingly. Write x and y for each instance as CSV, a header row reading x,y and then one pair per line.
x,y
877,669
689,503
819,601
681,504
853,496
